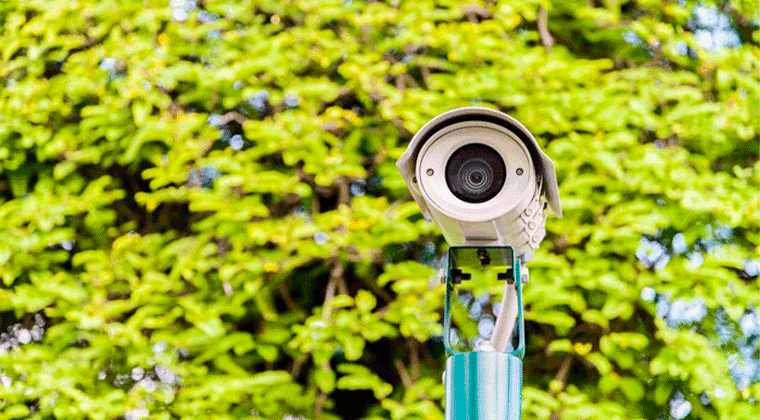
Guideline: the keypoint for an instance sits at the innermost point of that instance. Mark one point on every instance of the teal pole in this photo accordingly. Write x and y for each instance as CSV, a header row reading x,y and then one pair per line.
x,y
483,385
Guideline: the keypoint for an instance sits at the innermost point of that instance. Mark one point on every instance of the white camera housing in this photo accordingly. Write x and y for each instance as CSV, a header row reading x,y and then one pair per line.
x,y
513,214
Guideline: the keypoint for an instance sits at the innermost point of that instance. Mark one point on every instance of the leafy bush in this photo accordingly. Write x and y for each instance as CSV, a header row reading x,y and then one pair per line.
x,y
200,215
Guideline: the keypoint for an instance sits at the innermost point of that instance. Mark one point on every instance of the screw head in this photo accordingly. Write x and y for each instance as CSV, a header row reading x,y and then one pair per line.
x,y
519,171
430,172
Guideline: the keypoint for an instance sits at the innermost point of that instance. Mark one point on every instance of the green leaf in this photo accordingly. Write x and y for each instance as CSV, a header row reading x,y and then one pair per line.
x,y
365,301
325,379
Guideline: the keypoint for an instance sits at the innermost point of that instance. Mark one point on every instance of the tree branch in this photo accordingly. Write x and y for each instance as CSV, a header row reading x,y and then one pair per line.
x,y
344,196
561,377
543,29
336,275
415,360
295,370
403,373
319,404
231,116
286,298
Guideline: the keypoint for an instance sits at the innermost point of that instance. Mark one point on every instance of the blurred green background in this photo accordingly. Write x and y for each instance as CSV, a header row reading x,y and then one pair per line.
x,y
200,216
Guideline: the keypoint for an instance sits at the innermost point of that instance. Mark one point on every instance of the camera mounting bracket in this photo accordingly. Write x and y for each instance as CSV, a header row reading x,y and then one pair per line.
x,y
466,258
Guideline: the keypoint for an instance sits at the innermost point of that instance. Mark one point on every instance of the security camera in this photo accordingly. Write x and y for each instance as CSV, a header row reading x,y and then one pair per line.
x,y
482,178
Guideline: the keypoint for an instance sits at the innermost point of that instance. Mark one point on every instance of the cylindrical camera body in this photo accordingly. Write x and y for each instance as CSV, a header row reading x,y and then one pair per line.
x,y
481,177
483,385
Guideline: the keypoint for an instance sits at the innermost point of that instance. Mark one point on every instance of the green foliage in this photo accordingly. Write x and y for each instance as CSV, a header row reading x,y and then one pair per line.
x,y
199,205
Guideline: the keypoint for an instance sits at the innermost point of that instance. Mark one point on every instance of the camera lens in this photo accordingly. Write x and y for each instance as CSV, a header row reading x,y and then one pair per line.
x,y
475,173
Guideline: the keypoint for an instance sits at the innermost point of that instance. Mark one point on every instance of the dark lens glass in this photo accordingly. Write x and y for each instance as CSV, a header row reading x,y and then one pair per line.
x,y
475,173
